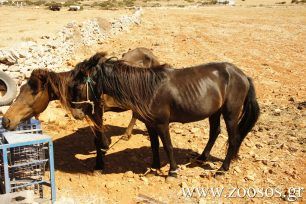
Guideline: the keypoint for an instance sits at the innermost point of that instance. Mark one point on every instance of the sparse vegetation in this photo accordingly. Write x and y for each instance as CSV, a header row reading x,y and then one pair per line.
x,y
156,5
207,2
298,1
112,4
35,3
52,3
26,39
72,3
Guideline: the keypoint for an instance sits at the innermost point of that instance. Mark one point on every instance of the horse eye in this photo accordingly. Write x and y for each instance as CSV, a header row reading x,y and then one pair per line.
x,y
33,86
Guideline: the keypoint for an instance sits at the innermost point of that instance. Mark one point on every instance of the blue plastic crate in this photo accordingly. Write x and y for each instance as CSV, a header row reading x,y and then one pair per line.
x,y
24,155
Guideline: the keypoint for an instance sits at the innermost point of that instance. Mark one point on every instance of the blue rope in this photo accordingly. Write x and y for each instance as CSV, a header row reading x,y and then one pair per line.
x,y
90,82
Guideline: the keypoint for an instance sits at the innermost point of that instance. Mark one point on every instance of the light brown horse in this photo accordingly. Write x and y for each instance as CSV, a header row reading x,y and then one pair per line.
x,y
44,86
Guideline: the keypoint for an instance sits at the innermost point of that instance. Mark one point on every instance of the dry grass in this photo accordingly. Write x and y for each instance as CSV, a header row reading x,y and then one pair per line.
x,y
112,4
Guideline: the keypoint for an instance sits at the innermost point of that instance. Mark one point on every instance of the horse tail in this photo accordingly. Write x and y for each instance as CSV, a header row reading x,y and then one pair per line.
x,y
250,113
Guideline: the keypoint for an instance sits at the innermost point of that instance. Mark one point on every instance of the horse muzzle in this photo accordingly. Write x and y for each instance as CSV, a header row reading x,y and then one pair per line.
x,y
6,123
78,114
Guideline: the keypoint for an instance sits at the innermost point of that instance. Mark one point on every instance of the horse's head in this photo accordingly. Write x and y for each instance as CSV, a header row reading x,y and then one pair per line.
x,y
33,99
140,57
83,85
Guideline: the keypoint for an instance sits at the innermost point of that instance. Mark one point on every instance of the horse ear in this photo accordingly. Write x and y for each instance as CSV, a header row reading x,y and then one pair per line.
x,y
86,65
37,80
95,59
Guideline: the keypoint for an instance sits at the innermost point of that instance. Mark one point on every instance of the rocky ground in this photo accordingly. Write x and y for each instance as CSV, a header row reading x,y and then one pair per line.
x,y
266,43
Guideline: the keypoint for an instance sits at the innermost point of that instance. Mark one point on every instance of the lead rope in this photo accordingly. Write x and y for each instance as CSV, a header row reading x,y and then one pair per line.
x,y
88,81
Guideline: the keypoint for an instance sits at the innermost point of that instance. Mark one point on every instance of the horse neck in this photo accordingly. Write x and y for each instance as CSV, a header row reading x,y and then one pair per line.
x,y
132,87
121,78
58,86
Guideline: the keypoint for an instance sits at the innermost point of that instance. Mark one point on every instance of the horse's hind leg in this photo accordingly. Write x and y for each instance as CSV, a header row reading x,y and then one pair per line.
x,y
129,129
214,131
163,131
231,121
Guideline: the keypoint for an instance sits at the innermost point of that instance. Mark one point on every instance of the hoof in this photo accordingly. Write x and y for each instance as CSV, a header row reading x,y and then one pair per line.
x,y
220,171
126,137
173,173
99,168
202,158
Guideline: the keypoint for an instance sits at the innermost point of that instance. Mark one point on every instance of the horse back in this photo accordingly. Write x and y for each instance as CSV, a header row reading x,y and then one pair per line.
x,y
197,92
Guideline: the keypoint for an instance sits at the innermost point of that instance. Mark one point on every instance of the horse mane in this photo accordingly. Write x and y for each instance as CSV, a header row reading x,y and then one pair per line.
x,y
58,83
99,57
131,86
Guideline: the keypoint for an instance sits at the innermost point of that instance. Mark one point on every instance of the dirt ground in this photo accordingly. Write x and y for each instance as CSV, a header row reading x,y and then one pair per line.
x,y
267,43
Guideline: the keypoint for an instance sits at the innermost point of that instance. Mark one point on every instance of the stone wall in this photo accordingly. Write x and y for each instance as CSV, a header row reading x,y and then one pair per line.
x,y
19,61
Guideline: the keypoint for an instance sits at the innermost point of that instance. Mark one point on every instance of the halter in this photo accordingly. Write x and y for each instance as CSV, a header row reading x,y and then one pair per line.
x,y
88,80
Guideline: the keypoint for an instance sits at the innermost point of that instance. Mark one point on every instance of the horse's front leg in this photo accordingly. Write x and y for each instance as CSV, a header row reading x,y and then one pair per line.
x,y
101,141
154,147
102,145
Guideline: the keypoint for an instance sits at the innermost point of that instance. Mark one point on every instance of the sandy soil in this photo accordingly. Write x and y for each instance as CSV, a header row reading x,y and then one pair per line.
x,y
267,43
30,24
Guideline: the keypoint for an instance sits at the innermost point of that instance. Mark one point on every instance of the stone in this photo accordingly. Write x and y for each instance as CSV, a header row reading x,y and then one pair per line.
x,y
283,146
277,112
273,142
265,162
178,131
251,176
184,184
194,130
237,169
292,149
248,144
14,68
110,185
183,167
3,67
129,174
145,180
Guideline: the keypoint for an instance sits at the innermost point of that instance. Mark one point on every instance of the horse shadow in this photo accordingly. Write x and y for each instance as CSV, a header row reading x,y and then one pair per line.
x,y
75,153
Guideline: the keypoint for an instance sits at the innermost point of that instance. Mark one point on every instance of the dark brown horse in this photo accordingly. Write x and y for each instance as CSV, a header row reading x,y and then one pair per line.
x,y
44,86
138,57
163,95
